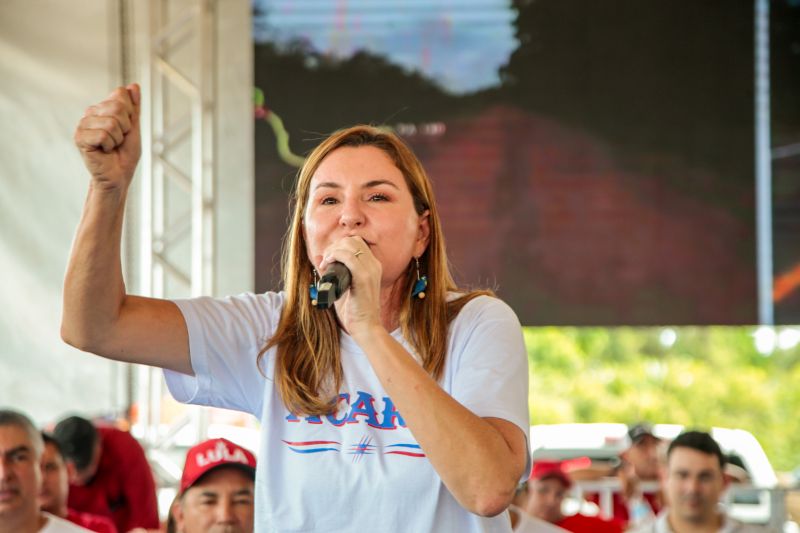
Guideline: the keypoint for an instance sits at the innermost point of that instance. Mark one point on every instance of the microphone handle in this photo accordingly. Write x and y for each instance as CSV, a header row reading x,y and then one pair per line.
x,y
333,283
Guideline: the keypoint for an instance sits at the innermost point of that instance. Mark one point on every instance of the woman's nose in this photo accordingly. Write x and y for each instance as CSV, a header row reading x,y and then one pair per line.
x,y
352,215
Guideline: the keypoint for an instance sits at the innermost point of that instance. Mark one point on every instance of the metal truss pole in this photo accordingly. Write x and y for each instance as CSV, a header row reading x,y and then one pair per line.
x,y
177,226
764,251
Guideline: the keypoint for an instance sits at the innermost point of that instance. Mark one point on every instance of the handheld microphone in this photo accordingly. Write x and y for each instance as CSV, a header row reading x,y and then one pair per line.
x,y
333,283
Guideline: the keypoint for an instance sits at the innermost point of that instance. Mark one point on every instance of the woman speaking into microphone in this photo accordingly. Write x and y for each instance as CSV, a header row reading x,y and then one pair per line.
x,y
400,407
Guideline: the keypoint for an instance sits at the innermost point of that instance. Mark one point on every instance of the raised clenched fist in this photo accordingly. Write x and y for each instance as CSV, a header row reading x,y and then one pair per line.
x,y
109,139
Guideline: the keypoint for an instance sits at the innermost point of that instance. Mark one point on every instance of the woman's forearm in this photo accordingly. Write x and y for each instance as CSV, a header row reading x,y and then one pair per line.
x,y
479,460
94,289
98,315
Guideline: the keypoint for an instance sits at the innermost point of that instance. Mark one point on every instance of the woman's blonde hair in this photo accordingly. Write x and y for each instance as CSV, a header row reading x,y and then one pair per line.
x,y
308,368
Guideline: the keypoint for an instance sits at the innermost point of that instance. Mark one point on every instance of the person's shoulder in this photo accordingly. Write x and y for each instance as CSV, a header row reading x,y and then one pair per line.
x,y
216,315
647,528
735,526
483,321
55,524
93,522
118,445
269,299
590,523
530,524
655,525
482,306
248,304
109,433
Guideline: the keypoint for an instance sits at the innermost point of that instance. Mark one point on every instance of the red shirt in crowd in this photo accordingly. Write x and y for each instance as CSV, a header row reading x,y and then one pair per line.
x,y
123,488
621,507
92,522
589,524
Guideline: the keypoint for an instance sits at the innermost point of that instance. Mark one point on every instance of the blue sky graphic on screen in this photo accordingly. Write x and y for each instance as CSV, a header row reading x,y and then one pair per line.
x,y
460,45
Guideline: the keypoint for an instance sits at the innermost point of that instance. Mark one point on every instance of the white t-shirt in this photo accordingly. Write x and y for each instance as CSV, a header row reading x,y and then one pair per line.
x,y
360,469
59,525
729,525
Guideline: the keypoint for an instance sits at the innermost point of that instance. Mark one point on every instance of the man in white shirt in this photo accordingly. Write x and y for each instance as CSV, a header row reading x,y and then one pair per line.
x,y
694,483
21,448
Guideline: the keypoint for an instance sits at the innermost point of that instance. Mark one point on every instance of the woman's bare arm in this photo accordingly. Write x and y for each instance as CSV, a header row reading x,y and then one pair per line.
x,y
99,316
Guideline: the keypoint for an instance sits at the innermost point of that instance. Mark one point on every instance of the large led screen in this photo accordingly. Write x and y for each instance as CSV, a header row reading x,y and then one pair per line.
x,y
593,161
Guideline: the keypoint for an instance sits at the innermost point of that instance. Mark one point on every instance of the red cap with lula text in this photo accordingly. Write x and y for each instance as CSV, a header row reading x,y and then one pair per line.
x,y
214,453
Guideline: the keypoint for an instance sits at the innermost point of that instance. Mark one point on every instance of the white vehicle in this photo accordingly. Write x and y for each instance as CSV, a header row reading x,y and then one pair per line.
x,y
756,502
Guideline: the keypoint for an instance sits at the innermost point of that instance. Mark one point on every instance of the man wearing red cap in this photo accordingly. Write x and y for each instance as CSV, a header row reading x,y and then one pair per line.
x,y
547,486
217,488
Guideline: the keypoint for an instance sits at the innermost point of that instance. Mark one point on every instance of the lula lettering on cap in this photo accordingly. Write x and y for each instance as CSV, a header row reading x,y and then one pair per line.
x,y
215,453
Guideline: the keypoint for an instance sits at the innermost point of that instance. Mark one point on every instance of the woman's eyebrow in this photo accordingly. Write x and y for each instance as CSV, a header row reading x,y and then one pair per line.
x,y
368,185
376,183
327,184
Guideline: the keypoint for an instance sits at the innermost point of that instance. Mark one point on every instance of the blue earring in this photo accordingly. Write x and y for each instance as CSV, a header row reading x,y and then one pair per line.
x,y
420,285
312,290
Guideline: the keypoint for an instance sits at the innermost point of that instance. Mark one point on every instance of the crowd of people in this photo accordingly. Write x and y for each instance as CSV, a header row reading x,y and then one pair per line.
x,y
87,477
84,477
664,487
400,406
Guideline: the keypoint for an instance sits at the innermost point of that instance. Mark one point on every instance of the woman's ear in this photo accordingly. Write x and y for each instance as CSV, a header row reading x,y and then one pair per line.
x,y
423,233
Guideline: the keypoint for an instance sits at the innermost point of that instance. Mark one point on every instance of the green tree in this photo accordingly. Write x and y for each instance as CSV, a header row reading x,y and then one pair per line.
x,y
709,377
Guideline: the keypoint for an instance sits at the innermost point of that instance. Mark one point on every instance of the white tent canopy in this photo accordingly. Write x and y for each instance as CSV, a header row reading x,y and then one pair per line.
x,y
56,58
